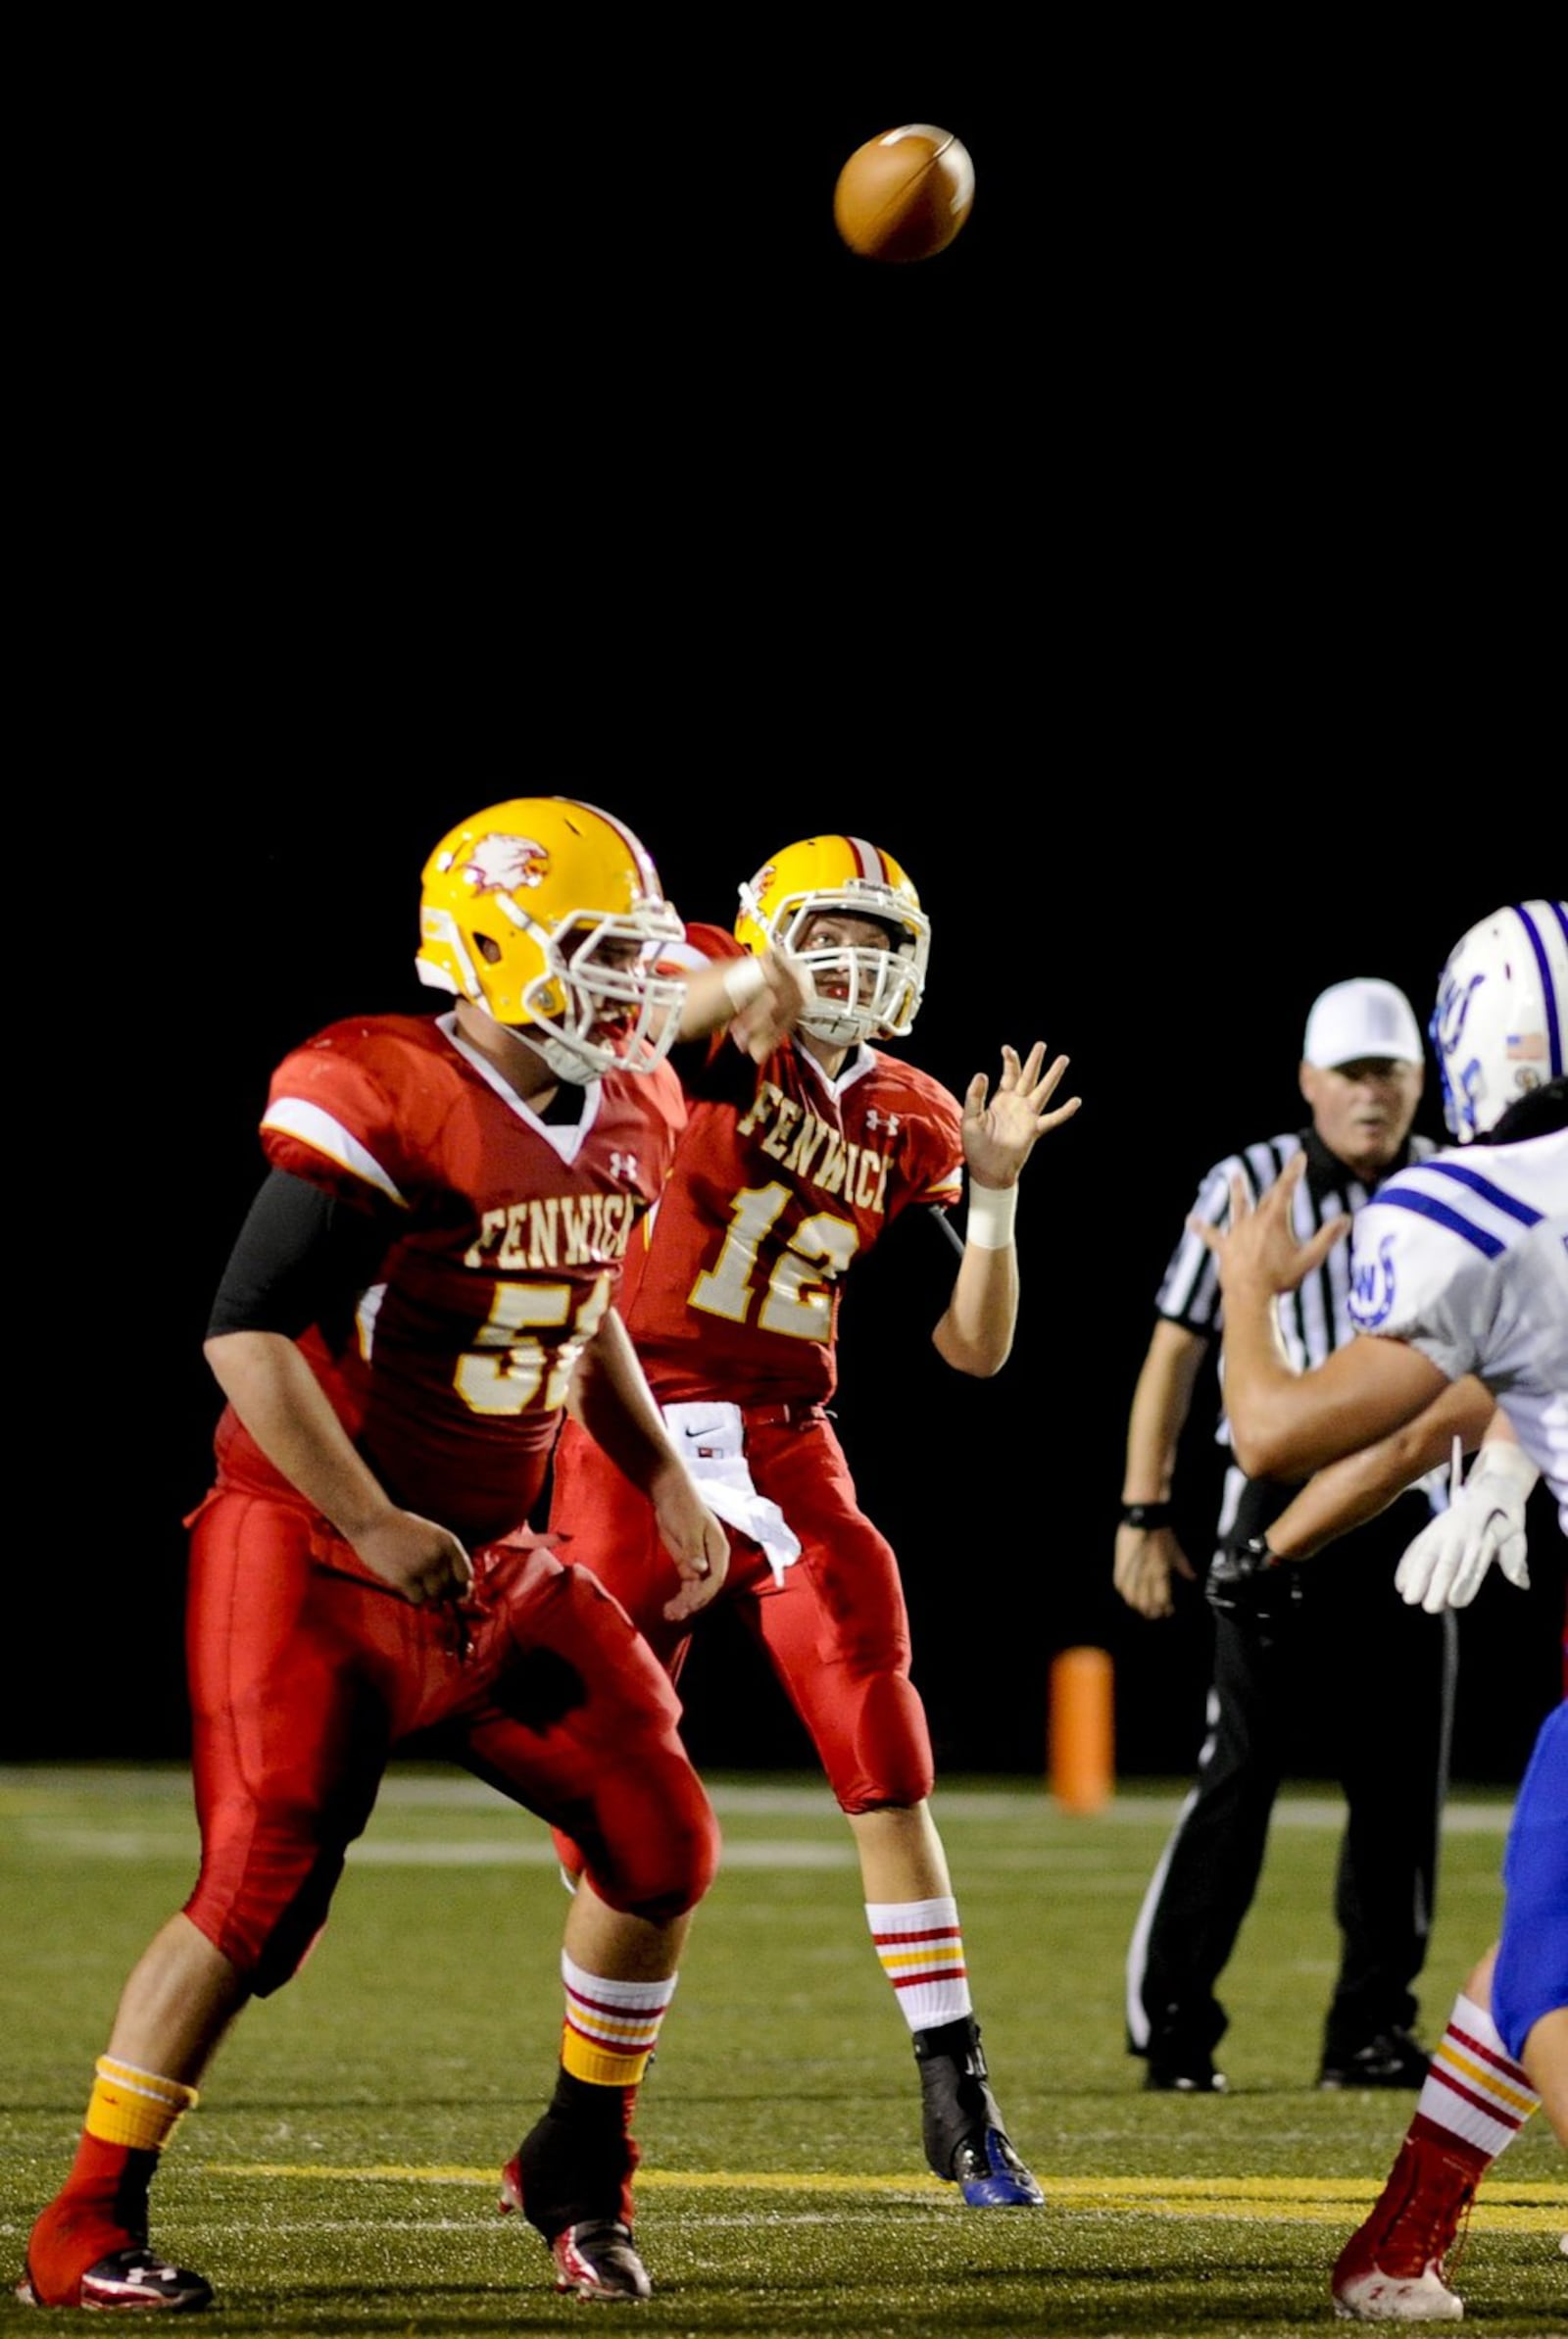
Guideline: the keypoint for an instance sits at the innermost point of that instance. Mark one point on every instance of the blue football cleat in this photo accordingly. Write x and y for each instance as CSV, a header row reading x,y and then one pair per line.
x,y
992,2174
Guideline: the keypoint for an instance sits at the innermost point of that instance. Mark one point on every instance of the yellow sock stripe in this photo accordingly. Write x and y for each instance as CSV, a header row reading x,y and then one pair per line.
x,y
597,2016
939,1953
629,2031
601,2066
1485,2079
134,2108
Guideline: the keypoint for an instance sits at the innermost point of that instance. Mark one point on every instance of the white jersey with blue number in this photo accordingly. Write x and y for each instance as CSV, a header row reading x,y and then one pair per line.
x,y
1465,1256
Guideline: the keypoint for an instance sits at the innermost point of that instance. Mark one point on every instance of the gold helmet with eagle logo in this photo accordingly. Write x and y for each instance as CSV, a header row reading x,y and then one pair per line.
x,y
548,914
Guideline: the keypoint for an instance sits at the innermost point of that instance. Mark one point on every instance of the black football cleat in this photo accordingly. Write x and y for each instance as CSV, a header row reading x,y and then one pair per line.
x,y
595,2258
132,2281
965,2142
598,2260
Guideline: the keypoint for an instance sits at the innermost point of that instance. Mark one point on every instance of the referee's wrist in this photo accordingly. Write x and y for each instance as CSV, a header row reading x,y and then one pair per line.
x,y
1145,1514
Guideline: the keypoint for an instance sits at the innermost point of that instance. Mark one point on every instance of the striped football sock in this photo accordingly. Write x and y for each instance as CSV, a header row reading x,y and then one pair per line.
x,y
610,2027
921,1950
1475,2099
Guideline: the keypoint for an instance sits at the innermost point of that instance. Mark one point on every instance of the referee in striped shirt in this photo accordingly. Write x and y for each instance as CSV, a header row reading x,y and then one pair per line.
x,y
1329,1659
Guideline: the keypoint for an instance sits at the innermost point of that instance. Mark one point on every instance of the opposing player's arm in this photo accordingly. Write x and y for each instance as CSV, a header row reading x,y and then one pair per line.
x,y
974,1333
610,1398
1285,1425
1356,1489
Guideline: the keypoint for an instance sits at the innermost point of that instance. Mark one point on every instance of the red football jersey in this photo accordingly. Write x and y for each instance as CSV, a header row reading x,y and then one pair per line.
x,y
505,1238
781,1181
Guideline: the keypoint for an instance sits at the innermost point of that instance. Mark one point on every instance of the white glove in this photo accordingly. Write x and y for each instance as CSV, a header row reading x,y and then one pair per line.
x,y
1485,1521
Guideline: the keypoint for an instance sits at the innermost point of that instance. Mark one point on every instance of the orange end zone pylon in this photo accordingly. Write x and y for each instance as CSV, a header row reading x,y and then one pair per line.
x,y
1082,1767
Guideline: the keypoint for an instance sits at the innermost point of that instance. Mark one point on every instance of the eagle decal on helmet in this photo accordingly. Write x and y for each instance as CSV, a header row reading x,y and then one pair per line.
x,y
502,864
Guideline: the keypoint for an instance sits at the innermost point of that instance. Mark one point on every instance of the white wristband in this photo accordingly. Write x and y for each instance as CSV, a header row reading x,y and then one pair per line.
x,y
743,979
991,1210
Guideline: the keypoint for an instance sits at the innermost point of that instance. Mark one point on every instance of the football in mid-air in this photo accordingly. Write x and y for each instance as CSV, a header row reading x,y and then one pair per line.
x,y
905,195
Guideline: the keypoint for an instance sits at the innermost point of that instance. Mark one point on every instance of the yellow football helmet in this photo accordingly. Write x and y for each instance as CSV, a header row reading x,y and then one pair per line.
x,y
862,993
518,905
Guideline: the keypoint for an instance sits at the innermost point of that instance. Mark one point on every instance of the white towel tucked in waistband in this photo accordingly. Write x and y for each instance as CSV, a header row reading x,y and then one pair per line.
x,y
712,1442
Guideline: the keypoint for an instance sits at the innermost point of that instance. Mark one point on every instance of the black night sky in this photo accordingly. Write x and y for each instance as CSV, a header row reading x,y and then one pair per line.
x,y
1151,571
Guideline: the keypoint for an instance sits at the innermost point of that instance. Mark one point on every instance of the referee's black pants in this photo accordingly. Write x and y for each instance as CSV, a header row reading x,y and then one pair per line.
x,y
1351,1683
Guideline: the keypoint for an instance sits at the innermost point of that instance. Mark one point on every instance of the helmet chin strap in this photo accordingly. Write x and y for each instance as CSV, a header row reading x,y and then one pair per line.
x,y
838,1031
561,1058
566,1061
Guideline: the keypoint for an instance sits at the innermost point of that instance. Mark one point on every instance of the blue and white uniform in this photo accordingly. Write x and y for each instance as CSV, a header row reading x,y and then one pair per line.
x,y
1465,1257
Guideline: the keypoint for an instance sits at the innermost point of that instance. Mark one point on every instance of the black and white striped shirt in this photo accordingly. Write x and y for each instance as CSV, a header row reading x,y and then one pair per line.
x,y
1316,1318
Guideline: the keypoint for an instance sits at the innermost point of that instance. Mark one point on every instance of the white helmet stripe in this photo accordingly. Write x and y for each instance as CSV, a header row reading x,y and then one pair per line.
x,y
647,875
869,860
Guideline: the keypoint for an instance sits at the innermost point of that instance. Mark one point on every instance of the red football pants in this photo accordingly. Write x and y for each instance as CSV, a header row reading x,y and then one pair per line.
x,y
836,1632
305,1674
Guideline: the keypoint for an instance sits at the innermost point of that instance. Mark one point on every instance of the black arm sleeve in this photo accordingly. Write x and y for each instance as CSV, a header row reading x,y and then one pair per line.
x,y
301,1258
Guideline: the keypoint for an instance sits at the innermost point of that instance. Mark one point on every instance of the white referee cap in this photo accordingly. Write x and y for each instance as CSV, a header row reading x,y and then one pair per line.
x,y
1359,1019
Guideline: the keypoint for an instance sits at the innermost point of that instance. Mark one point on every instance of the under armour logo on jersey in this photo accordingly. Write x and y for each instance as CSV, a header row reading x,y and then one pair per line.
x,y
624,1167
1372,1289
882,1120
500,864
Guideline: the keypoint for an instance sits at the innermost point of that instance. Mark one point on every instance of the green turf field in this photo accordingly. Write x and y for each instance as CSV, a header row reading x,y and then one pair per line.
x,y
340,2175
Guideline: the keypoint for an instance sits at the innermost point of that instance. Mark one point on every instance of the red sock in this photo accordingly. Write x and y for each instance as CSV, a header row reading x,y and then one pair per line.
x,y
101,2207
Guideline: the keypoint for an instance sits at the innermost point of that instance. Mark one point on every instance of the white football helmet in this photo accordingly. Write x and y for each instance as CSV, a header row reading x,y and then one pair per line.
x,y
862,993
516,906
1501,1025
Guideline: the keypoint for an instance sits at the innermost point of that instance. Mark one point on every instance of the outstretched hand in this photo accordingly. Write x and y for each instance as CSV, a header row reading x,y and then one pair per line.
x,y
1259,1250
1001,1130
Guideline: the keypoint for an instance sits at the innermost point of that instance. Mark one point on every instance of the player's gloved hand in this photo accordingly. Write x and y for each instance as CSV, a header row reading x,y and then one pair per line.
x,y
1444,1566
1252,1583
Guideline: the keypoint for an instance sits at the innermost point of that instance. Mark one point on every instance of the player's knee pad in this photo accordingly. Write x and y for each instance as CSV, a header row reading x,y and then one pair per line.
x,y
569,1856
652,1850
883,1752
263,1906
